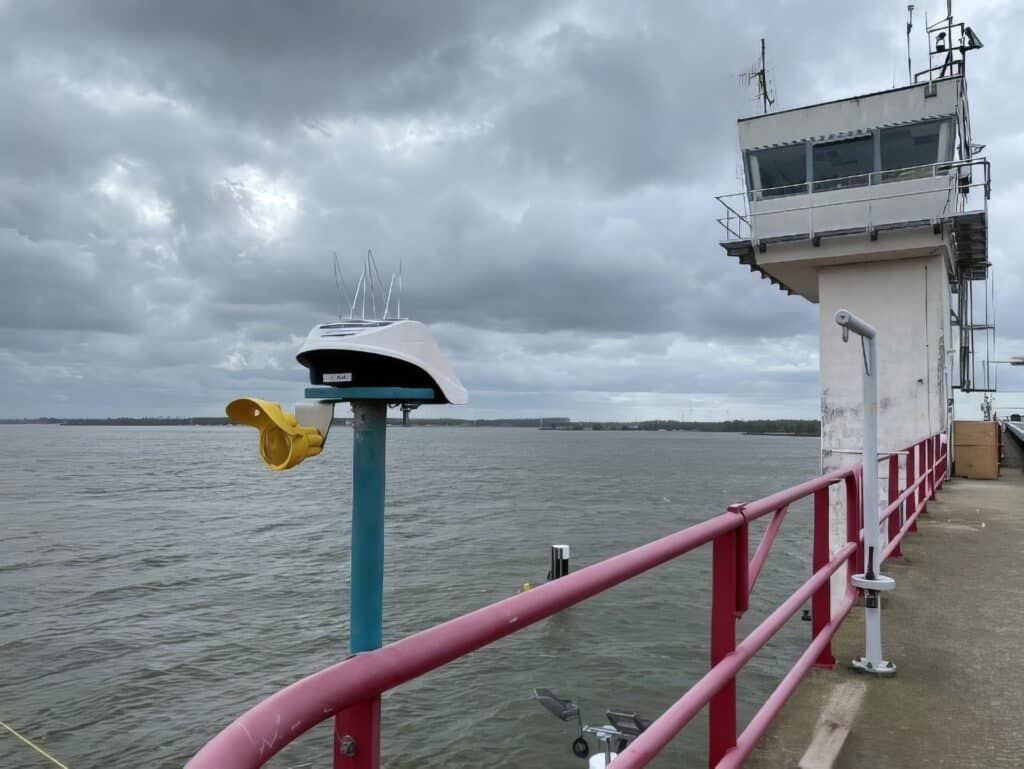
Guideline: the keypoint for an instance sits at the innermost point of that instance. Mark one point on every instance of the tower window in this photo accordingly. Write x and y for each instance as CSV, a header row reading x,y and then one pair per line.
x,y
842,164
905,148
779,170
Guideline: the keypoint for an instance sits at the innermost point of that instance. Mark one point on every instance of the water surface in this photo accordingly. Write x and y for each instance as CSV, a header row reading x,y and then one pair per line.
x,y
158,581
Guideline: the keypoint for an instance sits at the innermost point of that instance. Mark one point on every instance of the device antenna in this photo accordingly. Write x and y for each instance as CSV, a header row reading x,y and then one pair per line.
x,y
759,74
339,284
910,26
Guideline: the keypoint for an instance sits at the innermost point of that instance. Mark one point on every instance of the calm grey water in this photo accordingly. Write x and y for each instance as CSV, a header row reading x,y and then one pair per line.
x,y
156,582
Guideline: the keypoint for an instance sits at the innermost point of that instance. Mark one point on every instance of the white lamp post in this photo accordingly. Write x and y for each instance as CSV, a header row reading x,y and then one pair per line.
x,y
871,581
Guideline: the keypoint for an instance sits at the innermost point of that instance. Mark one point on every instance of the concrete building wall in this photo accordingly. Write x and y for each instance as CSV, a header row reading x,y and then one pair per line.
x,y
907,301
853,208
850,116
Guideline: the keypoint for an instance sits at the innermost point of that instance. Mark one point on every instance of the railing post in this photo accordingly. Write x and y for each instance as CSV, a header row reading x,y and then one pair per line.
x,y
821,603
357,729
722,712
931,468
922,459
357,736
911,503
856,563
926,463
742,563
944,449
896,518
928,467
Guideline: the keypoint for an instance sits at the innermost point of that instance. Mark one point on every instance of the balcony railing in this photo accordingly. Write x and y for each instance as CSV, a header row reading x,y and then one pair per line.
x,y
748,214
350,691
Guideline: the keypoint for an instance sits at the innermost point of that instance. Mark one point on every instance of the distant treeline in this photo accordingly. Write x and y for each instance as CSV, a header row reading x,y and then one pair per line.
x,y
121,421
751,426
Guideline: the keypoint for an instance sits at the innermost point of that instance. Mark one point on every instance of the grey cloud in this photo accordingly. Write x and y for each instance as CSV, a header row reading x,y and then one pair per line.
x,y
57,286
278,62
177,175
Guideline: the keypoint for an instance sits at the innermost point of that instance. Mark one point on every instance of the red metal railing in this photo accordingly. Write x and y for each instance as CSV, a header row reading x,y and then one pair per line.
x,y
350,691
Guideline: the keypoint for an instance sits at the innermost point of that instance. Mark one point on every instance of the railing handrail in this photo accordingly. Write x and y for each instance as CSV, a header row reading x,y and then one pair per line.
x,y
733,211
871,199
311,700
939,168
806,191
261,732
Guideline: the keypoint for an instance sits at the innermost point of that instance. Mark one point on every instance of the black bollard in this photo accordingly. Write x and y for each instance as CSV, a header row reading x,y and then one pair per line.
x,y
559,561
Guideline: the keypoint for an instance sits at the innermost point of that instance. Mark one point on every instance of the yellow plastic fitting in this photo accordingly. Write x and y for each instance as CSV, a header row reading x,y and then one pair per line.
x,y
283,441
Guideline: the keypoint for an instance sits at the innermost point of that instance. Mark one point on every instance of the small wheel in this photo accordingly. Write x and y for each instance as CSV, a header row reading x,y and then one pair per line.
x,y
580,748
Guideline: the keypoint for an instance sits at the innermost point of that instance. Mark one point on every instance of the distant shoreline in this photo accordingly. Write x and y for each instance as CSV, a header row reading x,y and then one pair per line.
x,y
806,428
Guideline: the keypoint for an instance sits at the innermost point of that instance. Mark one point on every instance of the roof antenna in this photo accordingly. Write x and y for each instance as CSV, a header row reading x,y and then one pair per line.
x,y
378,281
360,286
765,90
910,26
339,284
397,275
387,304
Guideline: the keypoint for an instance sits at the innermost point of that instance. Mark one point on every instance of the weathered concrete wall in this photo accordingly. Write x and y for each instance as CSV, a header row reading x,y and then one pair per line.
x,y
848,116
907,300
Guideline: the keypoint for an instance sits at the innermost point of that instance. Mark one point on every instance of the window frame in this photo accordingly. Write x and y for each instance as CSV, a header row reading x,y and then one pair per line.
x,y
944,152
869,176
748,156
948,135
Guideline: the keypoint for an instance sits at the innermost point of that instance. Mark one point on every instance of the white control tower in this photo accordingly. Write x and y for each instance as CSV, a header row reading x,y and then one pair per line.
x,y
878,204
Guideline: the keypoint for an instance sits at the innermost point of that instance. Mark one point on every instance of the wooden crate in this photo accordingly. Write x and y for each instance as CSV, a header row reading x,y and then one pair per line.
x,y
976,450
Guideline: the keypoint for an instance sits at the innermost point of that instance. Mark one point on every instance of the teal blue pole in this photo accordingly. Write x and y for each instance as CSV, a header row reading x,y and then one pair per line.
x,y
367,589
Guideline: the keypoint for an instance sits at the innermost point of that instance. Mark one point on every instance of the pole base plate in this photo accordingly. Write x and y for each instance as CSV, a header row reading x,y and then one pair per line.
x,y
879,582
882,669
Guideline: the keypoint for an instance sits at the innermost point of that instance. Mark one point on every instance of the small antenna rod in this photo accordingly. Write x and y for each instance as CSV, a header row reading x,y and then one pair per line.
x,y
355,300
762,82
910,26
387,304
378,281
339,284
370,283
949,38
759,74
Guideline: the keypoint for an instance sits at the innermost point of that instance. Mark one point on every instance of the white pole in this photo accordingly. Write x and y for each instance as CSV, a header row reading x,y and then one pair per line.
x,y
871,581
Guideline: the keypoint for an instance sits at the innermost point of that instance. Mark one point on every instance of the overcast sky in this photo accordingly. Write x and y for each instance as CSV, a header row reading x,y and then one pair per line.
x,y
175,175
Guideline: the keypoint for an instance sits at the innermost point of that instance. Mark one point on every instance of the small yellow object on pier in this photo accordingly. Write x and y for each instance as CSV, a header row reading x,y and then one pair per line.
x,y
283,441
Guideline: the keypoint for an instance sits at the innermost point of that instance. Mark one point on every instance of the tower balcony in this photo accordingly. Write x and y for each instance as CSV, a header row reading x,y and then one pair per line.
x,y
786,232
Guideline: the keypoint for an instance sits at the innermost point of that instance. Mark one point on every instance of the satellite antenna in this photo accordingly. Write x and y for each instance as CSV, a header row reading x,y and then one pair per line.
x,y
339,284
369,290
765,90
910,26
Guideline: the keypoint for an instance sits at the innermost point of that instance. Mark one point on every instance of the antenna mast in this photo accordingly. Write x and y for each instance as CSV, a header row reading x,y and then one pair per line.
x,y
910,26
760,76
339,284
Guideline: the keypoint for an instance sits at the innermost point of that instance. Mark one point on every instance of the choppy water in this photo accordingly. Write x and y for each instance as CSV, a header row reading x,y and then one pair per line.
x,y
156,582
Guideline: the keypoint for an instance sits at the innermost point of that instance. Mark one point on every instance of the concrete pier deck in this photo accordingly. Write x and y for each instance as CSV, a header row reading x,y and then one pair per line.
x,y
953,627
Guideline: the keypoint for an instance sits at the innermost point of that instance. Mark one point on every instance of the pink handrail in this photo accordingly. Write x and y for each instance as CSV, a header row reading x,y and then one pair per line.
x,y
350,690
261,732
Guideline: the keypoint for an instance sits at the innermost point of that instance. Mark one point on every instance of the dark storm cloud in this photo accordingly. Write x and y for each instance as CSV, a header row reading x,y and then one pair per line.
x,y
175,176
278,62
48,286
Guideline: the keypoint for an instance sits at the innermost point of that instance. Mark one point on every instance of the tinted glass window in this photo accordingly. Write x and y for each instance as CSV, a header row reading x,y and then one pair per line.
x,y
779,170
835,161
905,147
